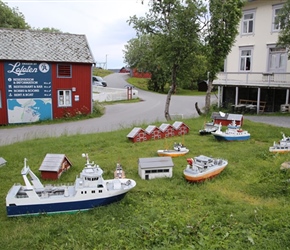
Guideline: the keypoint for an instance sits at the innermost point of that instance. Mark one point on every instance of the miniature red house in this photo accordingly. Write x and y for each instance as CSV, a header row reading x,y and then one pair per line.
x,y
53,166
225,119
154,132
167,130
138,135
180,128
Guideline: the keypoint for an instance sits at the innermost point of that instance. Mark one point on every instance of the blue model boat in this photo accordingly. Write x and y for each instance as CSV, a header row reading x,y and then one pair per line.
x,y
232,133
88,191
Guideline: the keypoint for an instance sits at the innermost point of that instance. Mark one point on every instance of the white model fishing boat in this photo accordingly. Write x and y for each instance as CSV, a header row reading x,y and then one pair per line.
x,y
283,146
232,133
201,168
88,191
208,128
178,150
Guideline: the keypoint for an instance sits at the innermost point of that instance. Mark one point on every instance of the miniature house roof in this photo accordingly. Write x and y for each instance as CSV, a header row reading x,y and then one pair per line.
x,y
150,128
155,162
134,132
177,124
2,161
235,117
52,162
226,116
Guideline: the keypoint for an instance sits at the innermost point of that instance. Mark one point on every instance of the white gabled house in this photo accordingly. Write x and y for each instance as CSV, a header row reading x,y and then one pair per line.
x,y
256,69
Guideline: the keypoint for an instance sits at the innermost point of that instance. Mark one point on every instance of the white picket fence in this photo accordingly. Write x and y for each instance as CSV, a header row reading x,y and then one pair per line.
x,y
105,94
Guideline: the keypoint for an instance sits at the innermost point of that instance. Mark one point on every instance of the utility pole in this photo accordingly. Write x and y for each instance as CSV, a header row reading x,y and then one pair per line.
x,y
106,61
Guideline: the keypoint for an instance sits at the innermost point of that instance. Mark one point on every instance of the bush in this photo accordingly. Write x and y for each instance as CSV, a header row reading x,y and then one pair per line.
x,y
98,108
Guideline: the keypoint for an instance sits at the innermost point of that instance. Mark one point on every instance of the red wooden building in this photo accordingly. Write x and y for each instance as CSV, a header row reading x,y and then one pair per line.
x,y
140,74
124,70
154,132
53,166
43,76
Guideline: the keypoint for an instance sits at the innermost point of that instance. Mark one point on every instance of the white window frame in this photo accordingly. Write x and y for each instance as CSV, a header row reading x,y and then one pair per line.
x,y
280,57
0,99
276,27
248,22
246,58
64,98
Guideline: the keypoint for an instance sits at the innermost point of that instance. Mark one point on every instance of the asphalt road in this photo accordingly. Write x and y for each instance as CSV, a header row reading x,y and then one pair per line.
x,y
150,109
279,121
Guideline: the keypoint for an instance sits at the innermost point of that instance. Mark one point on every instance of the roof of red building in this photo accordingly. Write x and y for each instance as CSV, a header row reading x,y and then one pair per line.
x,y
31,45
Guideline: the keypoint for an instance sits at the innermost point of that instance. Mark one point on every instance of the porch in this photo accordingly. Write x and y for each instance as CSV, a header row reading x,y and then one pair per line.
x,y
257,80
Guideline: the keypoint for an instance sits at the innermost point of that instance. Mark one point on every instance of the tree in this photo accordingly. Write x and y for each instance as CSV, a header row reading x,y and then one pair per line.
x,y
141,53
283,21
224,17
138,52
11,18
174,26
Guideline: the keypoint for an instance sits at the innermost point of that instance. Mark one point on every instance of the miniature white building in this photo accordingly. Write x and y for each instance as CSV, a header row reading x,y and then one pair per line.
x,y
155,167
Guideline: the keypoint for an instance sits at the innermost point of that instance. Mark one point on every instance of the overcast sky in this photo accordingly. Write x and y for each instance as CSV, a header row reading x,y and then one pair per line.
x,y
102,21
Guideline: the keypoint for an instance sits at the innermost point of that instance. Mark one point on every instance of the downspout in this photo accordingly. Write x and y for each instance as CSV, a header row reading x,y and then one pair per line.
x,y
258,100
237,96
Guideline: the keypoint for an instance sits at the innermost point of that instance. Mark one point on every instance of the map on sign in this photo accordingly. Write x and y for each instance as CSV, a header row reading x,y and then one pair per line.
x,y
29,110
28,91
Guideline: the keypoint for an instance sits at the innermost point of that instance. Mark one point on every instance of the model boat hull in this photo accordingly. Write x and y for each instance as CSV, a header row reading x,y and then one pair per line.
x,y
220,137
172,153
60,207
279,150
202,176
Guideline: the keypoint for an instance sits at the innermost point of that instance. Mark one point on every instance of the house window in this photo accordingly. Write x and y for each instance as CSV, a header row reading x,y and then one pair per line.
x,y
0,99
245,59
64,98
64,71
248,22
277,60
276,25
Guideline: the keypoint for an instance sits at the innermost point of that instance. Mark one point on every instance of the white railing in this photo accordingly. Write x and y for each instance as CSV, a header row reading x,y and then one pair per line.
x,y
259,79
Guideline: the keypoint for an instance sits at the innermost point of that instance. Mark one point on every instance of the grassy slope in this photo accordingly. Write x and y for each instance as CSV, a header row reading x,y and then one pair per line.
x,y
246,206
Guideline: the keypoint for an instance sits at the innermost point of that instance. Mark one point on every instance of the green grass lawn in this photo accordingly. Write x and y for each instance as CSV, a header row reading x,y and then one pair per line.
x,y
246,207
141,83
